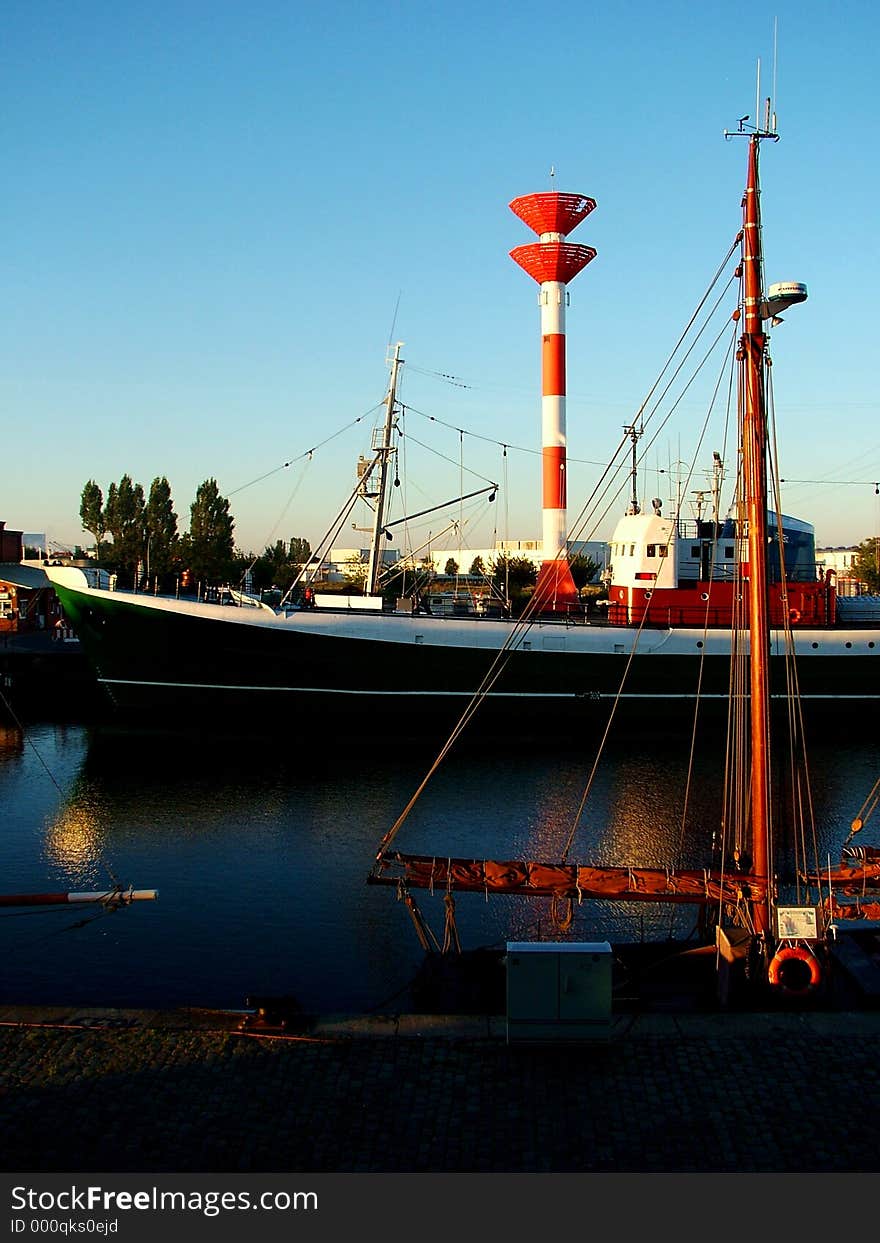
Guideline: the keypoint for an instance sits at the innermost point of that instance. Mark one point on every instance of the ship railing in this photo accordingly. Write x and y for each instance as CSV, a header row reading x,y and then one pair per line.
x,y
691,528
722,572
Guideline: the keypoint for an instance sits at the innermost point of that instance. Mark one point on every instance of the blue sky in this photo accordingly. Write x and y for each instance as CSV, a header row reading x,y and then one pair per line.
x,y
216,216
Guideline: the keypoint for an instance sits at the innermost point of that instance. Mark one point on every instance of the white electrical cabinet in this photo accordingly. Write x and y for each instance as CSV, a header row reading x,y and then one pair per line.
x,y
558,990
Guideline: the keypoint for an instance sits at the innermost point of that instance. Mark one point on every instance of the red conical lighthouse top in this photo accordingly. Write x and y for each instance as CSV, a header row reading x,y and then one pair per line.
x,y
552,215
552,212
552,261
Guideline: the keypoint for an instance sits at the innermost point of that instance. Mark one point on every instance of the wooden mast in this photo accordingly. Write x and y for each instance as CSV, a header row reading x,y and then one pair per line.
x,y
753,344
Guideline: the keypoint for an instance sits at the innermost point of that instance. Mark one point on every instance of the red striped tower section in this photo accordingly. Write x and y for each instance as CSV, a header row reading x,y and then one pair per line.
x,y
553,262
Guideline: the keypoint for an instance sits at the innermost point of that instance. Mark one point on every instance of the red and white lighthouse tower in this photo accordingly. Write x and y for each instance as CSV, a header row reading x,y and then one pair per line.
x,y
553,262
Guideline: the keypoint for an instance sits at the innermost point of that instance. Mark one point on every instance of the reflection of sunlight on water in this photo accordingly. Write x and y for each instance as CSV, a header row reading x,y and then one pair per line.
x,y
76,840
644,812
553,822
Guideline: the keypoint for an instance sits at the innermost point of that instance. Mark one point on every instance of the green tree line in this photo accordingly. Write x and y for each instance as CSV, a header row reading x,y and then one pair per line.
x,y
137,536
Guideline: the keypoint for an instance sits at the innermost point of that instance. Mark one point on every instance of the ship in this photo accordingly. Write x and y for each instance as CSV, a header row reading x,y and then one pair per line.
x,y
675,583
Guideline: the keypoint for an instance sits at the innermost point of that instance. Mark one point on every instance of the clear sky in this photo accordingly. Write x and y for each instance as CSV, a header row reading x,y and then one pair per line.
x,y
216,216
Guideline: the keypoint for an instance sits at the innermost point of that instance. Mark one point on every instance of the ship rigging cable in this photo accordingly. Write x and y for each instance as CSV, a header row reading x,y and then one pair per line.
x,y
524,623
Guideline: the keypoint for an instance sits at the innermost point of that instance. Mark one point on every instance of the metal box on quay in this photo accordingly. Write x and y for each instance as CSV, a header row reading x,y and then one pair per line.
x,y
558,990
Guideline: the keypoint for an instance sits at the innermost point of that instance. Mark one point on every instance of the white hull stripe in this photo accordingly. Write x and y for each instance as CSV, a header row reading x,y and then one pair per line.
x,y
321,690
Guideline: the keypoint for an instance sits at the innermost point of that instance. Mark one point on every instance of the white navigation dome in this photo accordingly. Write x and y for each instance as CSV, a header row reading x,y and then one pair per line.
x,y
782,295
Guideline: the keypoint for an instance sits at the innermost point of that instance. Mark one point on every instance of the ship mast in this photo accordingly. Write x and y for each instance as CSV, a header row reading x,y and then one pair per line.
x,y
634,435
383,449
752,357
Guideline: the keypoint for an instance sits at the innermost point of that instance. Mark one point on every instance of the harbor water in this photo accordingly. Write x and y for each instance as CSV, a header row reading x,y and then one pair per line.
x,y
260,851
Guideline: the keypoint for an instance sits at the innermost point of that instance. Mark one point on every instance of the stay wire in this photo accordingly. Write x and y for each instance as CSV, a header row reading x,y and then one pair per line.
x,y
306,453
588,520
458,464
592,776
524,622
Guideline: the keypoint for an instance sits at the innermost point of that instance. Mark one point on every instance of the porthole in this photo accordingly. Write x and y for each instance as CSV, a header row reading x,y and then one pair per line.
x,y
849,645
699,642
871,643
704,596
815,644
648,595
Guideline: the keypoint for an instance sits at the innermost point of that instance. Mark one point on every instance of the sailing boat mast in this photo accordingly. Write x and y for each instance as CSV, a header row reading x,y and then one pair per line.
x,y
753,347
383,450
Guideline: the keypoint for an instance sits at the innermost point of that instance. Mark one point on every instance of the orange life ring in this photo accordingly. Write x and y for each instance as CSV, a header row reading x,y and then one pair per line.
x,y
780,977
794,616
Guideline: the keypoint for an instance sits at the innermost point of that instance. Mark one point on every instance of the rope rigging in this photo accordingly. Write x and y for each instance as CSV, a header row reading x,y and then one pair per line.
x,y
522,625
865,812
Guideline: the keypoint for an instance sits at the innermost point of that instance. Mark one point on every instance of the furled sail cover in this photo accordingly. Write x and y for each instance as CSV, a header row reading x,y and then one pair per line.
x,y
563,880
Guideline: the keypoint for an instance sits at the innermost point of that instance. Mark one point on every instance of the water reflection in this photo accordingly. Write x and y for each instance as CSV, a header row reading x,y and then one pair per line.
x,y
11,742
75,841
260,854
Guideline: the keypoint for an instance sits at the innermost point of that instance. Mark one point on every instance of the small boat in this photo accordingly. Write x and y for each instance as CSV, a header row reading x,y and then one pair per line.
x,y
674,588
771,933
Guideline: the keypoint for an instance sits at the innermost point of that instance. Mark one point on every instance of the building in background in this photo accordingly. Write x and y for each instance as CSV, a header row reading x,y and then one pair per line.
x,y
11,545
842,562
28,602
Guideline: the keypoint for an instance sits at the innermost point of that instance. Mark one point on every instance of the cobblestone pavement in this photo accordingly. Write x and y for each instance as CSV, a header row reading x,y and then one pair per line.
x,y
141,1092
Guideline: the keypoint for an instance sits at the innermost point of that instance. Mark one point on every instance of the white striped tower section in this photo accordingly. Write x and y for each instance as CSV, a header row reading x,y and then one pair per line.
x,y
553,262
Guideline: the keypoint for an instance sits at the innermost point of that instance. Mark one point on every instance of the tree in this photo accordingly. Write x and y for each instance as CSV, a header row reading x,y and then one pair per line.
x,y
160,521
278,564
477,566
356,570
211,547
514,577
124,518
300,551
275,569
451,568
517,573
91,514
583,569
866,564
